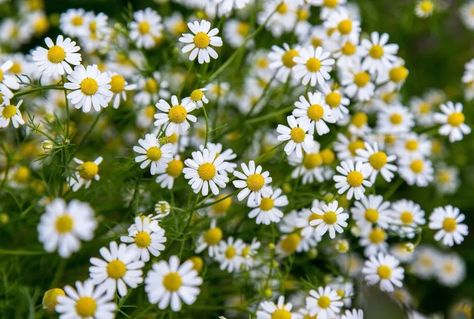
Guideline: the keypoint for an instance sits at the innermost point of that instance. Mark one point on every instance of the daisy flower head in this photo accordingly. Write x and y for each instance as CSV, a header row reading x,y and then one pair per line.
x,y
64,225
451,270
313,66
198,97
297,136
11,113
406,217
383,270
8,81
334,97
331,218
253,183
447,179
283,60
467,14
353,179
324,303
119,87
86,172
146,237
358,82
416,171
152,153
373,240
395,119
210,239
379,161
424,8
90,88
353,314
146,28
379,56
117,269
57,59
85,301
370,211
269,209
452,121
173,170
170,283
229,254
426,261
310,166
328,6
72,22
342,25
448,222
315,112
149,89
176,116
206,170
201,41
270,310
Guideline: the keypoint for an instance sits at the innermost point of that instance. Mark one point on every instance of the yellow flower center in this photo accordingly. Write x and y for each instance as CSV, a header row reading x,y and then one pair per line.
x,y
361,79
201,40
177,114
243,28
86,306
384,272
371,215
40,25
449,224
333,99
282,8
424,107
376,51
151,86
330,3
154,153
89,86
22,174
297,135
411,145
316,41
456,119
281,314
172,281
345,26
290,243
302,14
197,263
313,65
417,166
50,298
348,48
355,145
288,58
9,111
359,119
142,239
144,27
330,217
396,118
150,111
197,95
213,236
444,177
312,160
56,54
230,252
1,79
88,170
378,160
324,302
377,236
117,83
207,171
116,269
406,217
222,206
16,68
266,204
255,182
174,168
315,112
398,74
64,224
355,178
77,20
426,6
327,156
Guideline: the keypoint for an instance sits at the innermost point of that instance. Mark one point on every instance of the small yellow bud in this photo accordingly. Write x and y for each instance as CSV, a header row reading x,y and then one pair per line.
x,y
313,253
197,263
4,218
50,298
409,247
342,246
267,293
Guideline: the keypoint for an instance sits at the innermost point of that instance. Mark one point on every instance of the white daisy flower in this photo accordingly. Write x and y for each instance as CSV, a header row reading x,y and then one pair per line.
x,y
314,112
353,314
86,172
353,179
447,221
210,239
146,237
379,161
371,210
119,87
383,270
374,241
344,26
425,263
201,41
64,225
11,113
151,152
451,270
283,60
86,301
336,100
452,121
8,82
412,145
146,28
206,170
72,22
310,166
253,183
57,59
268,210
90,88
149,89
313,66
198,97
324,303
416,171
378,55
297,135
424,8
176,116
171,284
118,269
173,170
394,120
270,310
229,254
357,82
447,179
406,217
331,219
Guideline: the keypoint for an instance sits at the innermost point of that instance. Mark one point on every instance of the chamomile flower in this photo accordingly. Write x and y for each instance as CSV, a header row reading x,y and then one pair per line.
x,y
146,28
416,171
313,66
425,262
64,225
270,310
268,210
90,88
296,135
210,239
412,145
383,270
206,171
353,179
373,240
198,97
323,303
310,166
371,210
406,217
379,161
353,314
173,170
152,153
446,179
8,81
172,284
378,55
283,60
72,22
86,172
119,87
86,301
146,237
467,14
424,8
313,111
451,270
149,89
176,116
252,182
332,219
11,113
335,99
395,119
452,121
447,221
357,82
57,59
343,26
201,41
229,254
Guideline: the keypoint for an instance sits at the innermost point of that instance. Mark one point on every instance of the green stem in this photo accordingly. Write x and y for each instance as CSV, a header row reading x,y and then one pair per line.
x,y
39,89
